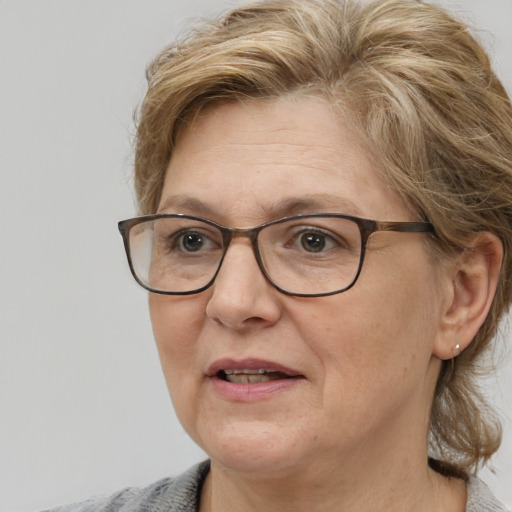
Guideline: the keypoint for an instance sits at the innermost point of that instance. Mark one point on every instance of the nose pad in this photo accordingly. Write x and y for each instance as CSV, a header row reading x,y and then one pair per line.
x,y
242,295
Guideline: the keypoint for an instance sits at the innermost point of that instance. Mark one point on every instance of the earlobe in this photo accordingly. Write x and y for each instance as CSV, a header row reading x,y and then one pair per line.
x,y
473,279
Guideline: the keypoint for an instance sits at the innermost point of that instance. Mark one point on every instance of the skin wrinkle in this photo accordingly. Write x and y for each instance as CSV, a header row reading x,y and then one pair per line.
x,y
238,152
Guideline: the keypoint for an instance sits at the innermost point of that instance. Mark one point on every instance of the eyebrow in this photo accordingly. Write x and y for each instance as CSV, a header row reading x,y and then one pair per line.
x,y
311,204
314,203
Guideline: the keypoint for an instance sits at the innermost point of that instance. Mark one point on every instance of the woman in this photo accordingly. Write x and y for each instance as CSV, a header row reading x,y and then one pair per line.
x,y
324,361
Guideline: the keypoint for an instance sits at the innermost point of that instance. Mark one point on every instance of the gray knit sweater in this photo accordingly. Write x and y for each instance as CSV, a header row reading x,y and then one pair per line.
x,y
181,494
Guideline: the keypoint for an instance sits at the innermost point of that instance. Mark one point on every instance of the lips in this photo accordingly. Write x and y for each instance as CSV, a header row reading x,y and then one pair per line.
x,y
252,380
250,371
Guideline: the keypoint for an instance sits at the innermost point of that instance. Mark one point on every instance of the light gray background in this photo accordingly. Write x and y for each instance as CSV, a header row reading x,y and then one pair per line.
x,y
83,406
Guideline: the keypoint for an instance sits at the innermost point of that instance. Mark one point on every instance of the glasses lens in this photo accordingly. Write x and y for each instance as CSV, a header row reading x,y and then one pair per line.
x,y
175,254
304,255
311,255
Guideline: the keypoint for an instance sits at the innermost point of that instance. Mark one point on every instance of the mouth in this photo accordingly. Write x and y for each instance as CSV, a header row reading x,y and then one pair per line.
x,y
246,376
250,371
252,380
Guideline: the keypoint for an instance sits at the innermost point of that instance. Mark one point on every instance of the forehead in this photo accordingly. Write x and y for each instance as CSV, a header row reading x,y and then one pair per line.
x,y
252,161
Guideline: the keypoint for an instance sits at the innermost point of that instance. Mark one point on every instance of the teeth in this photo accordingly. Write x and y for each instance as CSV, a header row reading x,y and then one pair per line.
x,y
251,376
261,371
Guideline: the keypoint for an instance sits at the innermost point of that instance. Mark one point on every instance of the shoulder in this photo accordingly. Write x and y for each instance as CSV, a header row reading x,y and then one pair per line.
x,y
180,494
480,498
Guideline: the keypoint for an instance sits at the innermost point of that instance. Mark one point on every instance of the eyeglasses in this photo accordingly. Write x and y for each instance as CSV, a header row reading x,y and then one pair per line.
x,y
302,255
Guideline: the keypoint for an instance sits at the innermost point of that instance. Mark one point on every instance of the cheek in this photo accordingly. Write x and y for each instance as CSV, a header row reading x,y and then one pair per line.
x,y
176,323
176,318
374,335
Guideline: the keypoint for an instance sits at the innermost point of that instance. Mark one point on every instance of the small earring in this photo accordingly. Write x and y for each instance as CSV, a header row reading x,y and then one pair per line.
x,y
456,350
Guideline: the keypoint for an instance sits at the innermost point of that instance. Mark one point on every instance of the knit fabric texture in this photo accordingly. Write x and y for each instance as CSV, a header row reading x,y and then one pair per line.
x,y
181,494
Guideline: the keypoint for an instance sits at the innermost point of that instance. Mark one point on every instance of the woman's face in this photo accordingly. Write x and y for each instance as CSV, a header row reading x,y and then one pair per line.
x,y
355,370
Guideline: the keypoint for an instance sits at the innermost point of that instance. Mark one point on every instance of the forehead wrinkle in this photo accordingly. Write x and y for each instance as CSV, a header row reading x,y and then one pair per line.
x,y
318,157
275,148
300,159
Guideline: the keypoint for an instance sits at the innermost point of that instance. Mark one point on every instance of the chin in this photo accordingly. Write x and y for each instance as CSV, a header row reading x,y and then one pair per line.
x,y
255,447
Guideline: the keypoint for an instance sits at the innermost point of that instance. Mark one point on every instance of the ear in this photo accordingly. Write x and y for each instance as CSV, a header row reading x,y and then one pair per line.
x,y
472,279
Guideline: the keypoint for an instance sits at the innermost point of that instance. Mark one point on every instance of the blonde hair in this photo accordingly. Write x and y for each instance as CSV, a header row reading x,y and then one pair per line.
x,y
421,90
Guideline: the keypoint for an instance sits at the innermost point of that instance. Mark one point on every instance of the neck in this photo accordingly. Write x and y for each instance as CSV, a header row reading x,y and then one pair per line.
x,y
397,488
387,472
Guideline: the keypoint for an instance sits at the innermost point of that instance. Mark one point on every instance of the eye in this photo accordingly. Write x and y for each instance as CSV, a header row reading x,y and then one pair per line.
x,y
313,242
192,241
178,238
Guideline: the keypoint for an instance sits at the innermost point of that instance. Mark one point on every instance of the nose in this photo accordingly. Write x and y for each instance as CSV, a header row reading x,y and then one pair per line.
x,y
242,297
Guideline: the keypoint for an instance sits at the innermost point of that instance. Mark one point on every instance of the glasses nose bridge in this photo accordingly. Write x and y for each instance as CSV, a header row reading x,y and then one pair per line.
x,y
228,234
251,233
